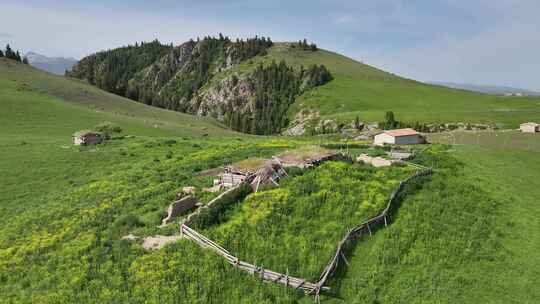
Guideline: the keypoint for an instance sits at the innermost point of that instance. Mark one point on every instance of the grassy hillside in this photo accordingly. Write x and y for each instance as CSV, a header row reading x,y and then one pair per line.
x,y
359,89
57,105
467,234
469,241
40,112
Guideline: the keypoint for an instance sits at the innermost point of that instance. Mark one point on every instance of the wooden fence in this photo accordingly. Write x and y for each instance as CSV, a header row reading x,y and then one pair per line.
x,y
264,274
366,227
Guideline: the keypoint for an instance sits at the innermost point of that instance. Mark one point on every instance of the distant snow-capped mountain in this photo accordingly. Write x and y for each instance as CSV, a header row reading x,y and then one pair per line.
x,y
55,65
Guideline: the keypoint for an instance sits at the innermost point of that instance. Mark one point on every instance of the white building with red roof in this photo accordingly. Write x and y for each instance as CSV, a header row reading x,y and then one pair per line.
x,y
529,127
406,136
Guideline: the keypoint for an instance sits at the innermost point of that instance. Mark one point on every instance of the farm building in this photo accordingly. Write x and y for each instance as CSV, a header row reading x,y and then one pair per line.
x,y
238,172
529,127
399,137
268,176
261,173
87,138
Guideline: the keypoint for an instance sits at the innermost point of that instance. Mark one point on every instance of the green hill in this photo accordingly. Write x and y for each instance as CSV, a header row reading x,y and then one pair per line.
x,y
466,234
238,84
36,103
40,112
361,90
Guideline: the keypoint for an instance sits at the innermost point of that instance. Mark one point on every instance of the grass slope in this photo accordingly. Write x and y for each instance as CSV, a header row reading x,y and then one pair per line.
x,y
39,113
362,90
40,103
465,236
468,234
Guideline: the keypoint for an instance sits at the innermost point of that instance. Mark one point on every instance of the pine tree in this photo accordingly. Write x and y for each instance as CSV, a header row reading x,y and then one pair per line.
x,y
357,123
9,52
1,54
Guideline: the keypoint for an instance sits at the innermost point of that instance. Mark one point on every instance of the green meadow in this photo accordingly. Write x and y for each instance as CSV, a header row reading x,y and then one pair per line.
x,y
466,234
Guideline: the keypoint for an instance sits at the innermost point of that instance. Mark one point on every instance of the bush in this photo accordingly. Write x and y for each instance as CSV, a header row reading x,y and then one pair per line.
x,y
108,129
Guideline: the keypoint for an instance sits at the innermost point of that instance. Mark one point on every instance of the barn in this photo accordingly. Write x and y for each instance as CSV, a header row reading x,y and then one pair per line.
x,y
399,137
529,127
87,138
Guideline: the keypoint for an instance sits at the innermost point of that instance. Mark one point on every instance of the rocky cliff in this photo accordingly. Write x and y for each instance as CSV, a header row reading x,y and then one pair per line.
x,y
183,78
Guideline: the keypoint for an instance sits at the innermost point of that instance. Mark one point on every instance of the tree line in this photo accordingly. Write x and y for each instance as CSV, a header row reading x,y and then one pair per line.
x,y
303,45
13,55
112,69
390,122
171,77
276,87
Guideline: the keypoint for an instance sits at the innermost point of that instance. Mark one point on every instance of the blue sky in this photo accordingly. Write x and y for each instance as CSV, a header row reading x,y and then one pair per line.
x,y
476,41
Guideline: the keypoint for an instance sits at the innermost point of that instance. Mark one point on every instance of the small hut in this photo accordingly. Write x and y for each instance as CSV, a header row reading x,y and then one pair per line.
x,y
529,127
83,138
238,172
268,176
258,172
406,136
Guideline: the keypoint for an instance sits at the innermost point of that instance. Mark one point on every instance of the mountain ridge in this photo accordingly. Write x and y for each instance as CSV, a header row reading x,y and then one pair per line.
x,y
55,65
354,92
181,78
486,89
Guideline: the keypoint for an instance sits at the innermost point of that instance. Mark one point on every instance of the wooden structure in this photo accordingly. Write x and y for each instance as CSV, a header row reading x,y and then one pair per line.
x,y
406,136
231,179
529,127
267,173
178,208
365,228
268,176
84,138
308,287
264,274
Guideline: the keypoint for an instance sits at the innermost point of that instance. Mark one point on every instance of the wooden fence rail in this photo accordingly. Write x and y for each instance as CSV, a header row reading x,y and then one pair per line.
x,y
264,274
290,281
365,227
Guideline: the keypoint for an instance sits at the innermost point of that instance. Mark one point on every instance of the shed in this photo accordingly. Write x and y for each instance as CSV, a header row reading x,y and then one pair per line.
x,y
238,172
399,137
87,138
529,127
268,176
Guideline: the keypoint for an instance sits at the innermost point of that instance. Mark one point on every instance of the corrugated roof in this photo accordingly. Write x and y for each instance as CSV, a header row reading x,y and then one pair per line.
x,y
401,132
